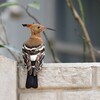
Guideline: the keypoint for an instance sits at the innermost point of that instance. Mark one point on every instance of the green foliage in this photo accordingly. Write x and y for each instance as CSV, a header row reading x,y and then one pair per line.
x,y
8,4
1,46
35,5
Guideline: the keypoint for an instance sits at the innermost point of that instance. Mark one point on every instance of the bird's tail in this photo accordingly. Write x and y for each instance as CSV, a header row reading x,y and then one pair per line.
x,y
31,81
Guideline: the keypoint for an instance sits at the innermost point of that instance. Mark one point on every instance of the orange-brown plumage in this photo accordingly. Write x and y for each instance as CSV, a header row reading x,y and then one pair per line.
x,y
34,41
35,38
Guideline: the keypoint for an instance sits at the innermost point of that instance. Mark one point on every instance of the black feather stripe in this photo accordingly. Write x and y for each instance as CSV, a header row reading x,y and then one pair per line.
x,y
33,57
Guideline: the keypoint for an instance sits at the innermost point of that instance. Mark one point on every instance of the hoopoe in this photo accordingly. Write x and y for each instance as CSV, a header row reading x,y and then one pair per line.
x,y
33,53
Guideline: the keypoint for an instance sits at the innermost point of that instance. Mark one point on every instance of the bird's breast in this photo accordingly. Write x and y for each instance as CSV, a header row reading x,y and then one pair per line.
x,y
34,41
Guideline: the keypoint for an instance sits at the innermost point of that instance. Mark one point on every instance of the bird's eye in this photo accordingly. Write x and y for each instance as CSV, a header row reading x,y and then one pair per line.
x,y
38,27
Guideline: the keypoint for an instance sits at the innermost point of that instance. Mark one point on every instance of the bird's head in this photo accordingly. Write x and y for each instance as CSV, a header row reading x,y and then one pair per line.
x,y
36,28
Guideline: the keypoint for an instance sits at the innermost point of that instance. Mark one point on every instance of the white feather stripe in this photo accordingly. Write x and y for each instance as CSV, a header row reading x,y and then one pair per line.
x,y
34,48
33,57
33,66
29,48
40,49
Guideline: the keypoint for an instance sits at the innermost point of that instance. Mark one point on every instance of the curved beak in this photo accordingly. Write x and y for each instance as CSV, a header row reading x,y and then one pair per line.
x,y
50,29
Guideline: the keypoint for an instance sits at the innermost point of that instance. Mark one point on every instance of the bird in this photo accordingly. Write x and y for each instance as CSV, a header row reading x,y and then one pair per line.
x,y
33,50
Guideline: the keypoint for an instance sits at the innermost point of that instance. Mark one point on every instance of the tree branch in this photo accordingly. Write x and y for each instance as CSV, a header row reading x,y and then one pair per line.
x,y
5,42
85,32
6,39
83,19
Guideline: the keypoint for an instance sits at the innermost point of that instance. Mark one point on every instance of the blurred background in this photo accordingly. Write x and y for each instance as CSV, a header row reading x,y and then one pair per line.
x,y
66,44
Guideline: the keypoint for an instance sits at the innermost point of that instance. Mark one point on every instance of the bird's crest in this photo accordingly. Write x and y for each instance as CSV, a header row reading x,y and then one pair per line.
x,y
36,27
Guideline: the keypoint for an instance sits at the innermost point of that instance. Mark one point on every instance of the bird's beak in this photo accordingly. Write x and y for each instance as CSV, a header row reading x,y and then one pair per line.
x,y
50,29
43,27
46,28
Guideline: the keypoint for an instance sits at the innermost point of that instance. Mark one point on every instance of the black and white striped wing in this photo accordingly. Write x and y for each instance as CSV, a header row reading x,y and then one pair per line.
x,y
26,57
38,61
33,57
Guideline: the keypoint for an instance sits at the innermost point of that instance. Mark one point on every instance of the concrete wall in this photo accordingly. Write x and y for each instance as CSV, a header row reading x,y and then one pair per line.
x,y
8,79
62,81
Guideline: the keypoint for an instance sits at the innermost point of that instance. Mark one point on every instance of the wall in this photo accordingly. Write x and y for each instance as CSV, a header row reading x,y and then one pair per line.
x,y
62,81
8,79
